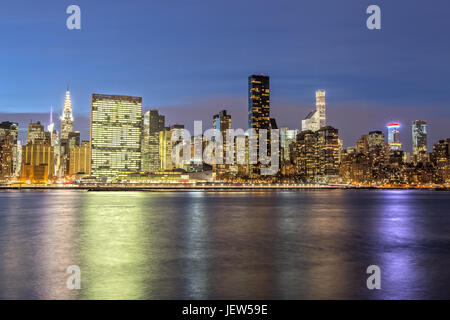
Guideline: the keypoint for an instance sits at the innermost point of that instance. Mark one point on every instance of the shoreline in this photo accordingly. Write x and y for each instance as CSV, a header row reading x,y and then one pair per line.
x,y
214,187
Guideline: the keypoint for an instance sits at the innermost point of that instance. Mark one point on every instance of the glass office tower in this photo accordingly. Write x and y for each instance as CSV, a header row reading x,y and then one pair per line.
x,y
419,136
115,134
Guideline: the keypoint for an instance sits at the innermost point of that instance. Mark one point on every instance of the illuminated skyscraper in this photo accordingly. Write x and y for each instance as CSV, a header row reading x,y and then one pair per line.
x,y
258,102
317,154
316,119
258,114
8,150
222,123
287,137
165,149
328,151
115,134
36,133
37,162
321,107
394,136
54,139
66,118
177,140
11,128
79,159
153,124
376,140
419,137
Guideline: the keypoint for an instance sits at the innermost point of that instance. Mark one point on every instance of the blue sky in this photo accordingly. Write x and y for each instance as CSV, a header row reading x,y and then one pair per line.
x,y
192,58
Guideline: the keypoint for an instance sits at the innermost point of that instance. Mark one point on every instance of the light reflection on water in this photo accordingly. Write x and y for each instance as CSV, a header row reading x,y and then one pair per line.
x,y
219,245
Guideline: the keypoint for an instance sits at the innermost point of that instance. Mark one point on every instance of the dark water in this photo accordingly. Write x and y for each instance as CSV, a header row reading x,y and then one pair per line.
x,y
220,245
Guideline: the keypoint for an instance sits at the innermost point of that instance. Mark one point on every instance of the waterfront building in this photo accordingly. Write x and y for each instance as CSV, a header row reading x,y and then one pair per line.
x,y
165,149
178,139
328,152
222,123
287,137
306,155
441,160
8,150
168,138
153,124
317,155
37,162
80,159
115,134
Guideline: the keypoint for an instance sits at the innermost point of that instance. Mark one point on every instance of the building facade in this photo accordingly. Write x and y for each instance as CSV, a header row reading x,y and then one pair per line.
x,y
67,117
394,136
115,134
37,163
222,123
153,124
79,161
9,155
419,137
316,119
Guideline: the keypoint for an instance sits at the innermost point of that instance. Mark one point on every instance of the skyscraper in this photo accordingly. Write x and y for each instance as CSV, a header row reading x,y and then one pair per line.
x,y
258,102
317,154
115,134
8,149
54,139
419,137
394,136
37,162
376,140
258,115
222,123
66,118
11,128
328,151
316,119
165,149
36,133
79,159
153,124
321,107
287,137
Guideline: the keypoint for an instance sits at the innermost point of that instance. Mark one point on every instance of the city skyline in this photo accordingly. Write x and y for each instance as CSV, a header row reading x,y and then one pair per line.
x,y
82,122
372,76
258,151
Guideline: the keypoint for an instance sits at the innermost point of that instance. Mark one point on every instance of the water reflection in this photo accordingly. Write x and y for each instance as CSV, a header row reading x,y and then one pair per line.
x,y
38,245
219,245
116,244
399,232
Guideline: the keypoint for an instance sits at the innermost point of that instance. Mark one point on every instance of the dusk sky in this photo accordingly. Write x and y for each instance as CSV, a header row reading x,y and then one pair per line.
x,y
190,59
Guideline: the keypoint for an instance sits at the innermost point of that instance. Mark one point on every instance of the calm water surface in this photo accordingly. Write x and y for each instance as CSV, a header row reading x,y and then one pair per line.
x,y
225,245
